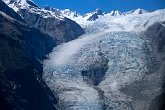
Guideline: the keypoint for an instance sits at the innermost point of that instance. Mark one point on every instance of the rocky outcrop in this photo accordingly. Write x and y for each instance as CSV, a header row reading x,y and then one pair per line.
x,y
156,33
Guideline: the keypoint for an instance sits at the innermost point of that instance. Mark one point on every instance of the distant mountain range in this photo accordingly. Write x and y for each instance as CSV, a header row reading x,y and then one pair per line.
x,y
57,13
93,15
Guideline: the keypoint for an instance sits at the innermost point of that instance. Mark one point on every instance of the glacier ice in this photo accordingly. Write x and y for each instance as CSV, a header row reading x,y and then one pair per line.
x,y
119,40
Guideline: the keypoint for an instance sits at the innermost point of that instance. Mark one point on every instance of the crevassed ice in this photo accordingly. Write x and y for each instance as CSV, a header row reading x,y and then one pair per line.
x,y
63,71
119,40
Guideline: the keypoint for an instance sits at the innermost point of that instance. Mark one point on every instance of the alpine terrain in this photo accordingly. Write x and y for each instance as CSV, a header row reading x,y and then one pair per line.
x,y
69,61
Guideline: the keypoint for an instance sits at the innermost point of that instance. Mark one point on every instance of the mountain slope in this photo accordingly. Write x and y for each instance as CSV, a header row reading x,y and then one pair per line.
x,y
51,22
21,85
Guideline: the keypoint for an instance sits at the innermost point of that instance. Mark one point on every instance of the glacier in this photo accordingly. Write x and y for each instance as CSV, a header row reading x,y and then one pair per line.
x,y
116,39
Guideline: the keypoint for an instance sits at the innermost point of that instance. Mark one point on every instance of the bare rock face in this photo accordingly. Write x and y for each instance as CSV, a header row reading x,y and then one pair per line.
x,y
61,29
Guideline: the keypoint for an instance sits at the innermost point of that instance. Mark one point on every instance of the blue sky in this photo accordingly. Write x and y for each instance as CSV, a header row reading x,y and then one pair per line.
x,y
84,6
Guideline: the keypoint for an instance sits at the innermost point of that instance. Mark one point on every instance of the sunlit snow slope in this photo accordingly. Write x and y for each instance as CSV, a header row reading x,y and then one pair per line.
x,y
118,43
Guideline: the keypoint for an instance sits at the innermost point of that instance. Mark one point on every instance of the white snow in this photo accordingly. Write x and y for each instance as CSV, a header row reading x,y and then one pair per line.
x,y
116,13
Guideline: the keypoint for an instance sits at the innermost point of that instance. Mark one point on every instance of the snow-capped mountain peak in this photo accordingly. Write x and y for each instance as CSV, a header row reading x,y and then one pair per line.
x,y
31,7
98,11
68,12
16,4
140,11
116,13
52,10
137,11
93,15
20,2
